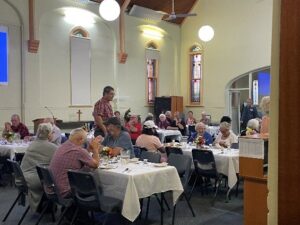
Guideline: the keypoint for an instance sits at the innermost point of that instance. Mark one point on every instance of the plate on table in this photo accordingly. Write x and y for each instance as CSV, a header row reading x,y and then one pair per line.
x,y
163,164
108,166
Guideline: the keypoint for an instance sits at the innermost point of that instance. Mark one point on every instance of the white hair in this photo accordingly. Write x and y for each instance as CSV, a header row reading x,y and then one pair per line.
x,y
44,130
162,116
225,125
77,131
253,124
199,125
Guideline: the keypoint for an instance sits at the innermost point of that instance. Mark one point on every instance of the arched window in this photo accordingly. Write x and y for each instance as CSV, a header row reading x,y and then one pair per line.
x,y
195,75
152,58
80,53
79,32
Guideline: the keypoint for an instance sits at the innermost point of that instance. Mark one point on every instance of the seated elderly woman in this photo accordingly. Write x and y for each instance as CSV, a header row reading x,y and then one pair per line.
x,y
40,151
163,122
200,131
148,140
117,138
226,137
134,128
252,128
56,133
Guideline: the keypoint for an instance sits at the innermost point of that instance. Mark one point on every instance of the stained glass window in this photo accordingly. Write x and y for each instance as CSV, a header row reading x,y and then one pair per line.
x,y
196,75
152,79
152,57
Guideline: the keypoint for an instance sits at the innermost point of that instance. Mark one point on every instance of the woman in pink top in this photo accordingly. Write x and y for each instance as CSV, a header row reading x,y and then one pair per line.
x,y
265,122
149,141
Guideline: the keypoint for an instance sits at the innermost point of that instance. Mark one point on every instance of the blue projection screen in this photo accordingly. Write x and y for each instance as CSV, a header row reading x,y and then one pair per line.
x,y
3,55
264,83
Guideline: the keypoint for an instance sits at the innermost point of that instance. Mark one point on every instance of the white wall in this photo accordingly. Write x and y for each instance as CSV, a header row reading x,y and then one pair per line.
x,y
47,73
242,43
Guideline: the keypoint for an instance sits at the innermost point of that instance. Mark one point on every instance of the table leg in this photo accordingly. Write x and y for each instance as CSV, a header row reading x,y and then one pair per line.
x,y
162,209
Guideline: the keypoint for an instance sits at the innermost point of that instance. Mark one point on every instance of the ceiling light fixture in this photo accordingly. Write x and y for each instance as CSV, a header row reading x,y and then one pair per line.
x,y
109,10
206,33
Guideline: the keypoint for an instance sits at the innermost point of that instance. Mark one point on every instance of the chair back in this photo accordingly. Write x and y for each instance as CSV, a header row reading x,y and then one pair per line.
x,y
235,145
84,187
138,150
204,162
173,150
19,176
153,157
183,165
50,188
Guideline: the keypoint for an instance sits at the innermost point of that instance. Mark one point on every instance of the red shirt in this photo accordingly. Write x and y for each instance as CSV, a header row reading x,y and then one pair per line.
x,y
103,108
134,135
68,156
21,129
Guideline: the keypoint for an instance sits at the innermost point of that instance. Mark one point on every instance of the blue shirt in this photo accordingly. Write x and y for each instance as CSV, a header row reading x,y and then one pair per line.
x,y
208,138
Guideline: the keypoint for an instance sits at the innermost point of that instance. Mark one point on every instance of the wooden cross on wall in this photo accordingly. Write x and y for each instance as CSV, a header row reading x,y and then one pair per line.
x,y
79,114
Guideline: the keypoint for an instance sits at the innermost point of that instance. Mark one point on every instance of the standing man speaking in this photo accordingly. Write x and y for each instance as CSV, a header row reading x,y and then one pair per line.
x,y
103,111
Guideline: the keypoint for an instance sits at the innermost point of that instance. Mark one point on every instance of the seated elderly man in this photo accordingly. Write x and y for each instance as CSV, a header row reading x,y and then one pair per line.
x,y
70,155
56,135
16,127
226,137
200,131
40,151
117,138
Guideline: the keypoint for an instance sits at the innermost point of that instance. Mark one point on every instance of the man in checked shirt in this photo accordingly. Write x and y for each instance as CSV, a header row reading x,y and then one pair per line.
x,y
103,111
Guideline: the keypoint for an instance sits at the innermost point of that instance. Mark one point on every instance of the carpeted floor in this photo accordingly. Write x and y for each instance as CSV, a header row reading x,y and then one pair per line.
x,y
206,214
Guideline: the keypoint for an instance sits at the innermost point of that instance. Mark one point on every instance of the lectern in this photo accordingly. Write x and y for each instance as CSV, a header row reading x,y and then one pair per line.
x,y
253,167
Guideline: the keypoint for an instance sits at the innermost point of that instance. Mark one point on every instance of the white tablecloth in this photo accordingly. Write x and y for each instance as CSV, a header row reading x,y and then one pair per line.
x,y
141,181
227,162
11,149
169,133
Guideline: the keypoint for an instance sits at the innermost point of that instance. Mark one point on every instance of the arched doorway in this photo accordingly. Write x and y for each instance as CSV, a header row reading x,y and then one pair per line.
x,y
254,84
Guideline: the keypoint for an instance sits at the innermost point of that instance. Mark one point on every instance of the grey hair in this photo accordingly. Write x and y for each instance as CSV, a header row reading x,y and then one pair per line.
x,y
16,115
77,131
253,124
225,125
199,124
44,130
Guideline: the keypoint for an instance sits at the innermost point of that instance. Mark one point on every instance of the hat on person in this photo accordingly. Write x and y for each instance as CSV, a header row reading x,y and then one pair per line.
x,y
149,124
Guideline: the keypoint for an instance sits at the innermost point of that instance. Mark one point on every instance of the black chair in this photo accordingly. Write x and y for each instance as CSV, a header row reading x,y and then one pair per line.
x,y
87,195
183,165
52,193
138,150
152,157
173,150
22,188
205,167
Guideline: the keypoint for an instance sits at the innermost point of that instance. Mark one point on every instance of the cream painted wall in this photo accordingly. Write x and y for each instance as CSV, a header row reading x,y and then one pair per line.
x,y
47,73
274,115
242,43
